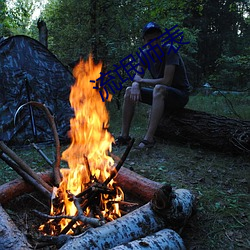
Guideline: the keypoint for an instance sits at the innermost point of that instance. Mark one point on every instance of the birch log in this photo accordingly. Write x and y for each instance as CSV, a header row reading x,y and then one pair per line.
x,y
162,240
10,237
150,218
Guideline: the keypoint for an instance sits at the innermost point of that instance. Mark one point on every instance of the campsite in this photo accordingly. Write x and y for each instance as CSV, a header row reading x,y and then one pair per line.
x,y
66,183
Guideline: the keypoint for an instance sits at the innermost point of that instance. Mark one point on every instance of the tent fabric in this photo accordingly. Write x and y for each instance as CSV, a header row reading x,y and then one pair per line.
x,y
29,71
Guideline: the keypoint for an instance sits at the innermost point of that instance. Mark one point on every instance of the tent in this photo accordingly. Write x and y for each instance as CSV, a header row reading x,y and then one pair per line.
x,y
30,72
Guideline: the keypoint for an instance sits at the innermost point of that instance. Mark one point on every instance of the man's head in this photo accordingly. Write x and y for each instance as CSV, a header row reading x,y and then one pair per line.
x,y
150,33
151,28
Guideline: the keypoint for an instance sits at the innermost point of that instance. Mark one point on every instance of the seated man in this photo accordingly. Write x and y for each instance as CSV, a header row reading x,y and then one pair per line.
x,y
169,87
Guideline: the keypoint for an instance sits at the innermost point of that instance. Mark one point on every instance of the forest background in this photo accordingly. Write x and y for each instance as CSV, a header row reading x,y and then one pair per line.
x,y
218,53
218,32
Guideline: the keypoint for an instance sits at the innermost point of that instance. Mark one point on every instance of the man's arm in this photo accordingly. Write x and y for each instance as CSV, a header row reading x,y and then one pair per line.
x,y
135,93
165,80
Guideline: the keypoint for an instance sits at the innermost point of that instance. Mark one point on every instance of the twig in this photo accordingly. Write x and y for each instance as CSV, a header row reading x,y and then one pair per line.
x,y
24,166
120,163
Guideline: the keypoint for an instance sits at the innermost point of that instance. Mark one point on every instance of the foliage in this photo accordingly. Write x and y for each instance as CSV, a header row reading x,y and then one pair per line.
x,y
232,72
218,32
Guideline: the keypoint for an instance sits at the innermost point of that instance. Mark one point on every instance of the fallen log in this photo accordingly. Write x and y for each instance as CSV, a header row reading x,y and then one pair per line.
x,y
10,237
212,131
148,219
163,239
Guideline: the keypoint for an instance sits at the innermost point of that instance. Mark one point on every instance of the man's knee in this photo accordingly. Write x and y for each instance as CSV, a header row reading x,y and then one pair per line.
x,y
159,91
127,92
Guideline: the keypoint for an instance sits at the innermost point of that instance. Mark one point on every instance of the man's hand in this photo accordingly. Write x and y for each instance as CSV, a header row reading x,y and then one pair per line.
x,y
135,93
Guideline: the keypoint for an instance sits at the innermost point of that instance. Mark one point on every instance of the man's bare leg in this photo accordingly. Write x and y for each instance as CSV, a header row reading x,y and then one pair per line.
x,y
128,110
156,112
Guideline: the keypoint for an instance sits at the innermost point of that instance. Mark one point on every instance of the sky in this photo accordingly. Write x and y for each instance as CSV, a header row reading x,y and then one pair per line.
x,y
39,5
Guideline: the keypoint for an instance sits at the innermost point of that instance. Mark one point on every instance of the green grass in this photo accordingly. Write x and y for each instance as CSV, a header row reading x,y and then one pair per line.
x,y
219,180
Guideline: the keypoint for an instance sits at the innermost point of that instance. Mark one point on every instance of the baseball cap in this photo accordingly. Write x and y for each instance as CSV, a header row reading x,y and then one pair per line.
x,y
150,25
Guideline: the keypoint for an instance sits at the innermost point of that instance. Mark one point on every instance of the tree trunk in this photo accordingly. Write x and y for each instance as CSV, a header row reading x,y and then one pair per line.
x,y
212,131
43,32
10,237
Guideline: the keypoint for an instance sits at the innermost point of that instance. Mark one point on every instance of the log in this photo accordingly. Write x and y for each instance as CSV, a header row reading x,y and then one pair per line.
x,y
10,237
131,182
18,187
150,218
163,239
211,131
136,185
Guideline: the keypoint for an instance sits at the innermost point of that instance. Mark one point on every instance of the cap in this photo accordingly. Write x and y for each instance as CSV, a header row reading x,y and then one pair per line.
x,y
150,25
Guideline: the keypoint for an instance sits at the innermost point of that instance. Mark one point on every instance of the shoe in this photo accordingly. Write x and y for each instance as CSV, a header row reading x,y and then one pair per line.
x,y
146,144
121,141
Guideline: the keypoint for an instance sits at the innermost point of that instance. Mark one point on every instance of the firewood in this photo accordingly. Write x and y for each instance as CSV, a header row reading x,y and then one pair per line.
x,y
10,237
132,183
23,165
150,218
163,239
26,176
136,185
18,187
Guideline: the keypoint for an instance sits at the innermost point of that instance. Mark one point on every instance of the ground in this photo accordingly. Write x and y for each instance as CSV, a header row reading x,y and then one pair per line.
x,y
219,180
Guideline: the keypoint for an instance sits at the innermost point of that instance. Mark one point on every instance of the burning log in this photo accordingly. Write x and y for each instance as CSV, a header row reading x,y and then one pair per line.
x,y
165,210
10,237
216,132
163,239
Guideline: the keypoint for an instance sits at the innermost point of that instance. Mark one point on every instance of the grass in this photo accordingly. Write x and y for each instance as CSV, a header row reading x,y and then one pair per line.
x,y
219,180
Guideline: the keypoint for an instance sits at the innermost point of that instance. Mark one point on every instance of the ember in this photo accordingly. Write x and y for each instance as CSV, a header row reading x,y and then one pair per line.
x,y
87,188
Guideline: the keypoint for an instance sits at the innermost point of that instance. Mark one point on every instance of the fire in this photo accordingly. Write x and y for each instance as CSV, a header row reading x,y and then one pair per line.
x,y
88,155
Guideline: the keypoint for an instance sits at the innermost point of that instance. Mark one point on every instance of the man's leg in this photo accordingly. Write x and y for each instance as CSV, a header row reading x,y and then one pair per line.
x,y
157,111
127,113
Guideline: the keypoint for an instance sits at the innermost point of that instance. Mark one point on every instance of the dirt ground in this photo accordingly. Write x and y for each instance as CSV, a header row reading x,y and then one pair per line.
x,y
220,182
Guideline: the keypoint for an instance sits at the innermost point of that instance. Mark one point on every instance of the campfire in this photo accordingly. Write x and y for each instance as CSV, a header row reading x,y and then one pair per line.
x,y
87,198
87,188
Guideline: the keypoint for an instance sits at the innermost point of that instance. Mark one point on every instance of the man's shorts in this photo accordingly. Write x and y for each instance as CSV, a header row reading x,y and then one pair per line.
x,y
175,99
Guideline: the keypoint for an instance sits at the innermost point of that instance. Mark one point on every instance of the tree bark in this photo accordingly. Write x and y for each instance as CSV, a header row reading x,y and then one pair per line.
x,y
10,237
43,32
212,131
167,209
163,239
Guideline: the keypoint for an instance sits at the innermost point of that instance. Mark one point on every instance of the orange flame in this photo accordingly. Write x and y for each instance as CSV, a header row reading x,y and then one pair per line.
x,y
90,140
